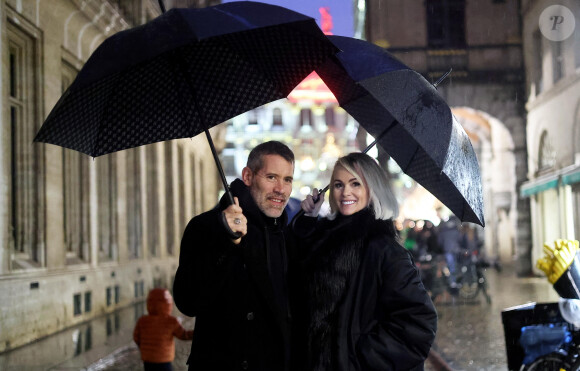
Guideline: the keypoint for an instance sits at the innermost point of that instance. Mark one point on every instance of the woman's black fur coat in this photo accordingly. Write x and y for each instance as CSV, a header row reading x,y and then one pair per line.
x,y
358,300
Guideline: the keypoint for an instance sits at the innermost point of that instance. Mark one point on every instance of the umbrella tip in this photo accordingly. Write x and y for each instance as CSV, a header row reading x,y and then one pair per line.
x,y
442,78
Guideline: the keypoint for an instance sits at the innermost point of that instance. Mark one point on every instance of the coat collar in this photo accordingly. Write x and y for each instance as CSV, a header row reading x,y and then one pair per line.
x,y
255,246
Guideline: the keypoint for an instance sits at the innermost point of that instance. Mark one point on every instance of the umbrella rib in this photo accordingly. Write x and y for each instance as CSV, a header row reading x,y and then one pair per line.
x,y
411,159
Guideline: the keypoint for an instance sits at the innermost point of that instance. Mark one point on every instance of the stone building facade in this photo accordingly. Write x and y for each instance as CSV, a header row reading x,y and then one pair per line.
x,y
81,237
485,90
551,36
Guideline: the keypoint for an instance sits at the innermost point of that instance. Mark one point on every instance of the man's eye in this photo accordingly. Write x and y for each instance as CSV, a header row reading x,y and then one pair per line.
x,y
289,181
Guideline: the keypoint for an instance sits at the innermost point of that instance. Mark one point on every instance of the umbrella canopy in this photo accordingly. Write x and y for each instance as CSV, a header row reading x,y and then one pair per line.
x,y
182,73
415,125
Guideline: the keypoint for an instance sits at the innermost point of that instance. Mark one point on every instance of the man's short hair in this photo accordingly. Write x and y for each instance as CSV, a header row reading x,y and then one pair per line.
x,y
273,147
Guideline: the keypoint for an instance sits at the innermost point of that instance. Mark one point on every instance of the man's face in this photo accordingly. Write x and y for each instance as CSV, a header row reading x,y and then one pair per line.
x,y
270,186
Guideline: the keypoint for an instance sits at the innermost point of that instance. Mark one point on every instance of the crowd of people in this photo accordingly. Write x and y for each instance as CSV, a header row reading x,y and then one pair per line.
x,y
450,240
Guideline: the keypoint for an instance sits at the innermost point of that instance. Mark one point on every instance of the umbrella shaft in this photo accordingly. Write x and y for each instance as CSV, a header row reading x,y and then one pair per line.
x,y
162,6
219,166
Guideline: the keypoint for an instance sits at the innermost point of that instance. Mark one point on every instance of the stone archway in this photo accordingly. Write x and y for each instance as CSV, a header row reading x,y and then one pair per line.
x,y
501,103
494,147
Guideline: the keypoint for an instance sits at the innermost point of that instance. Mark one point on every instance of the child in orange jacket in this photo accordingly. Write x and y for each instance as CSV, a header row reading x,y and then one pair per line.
x,y
154,332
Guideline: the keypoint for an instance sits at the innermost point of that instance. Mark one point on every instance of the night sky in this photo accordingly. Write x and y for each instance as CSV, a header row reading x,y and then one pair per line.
x,y
340,10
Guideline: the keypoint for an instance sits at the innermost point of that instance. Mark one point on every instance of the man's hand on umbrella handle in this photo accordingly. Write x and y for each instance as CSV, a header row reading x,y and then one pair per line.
x,y
312,203
236,220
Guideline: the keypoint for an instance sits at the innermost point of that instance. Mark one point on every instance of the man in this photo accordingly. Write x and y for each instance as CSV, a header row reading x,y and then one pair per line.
x,y
236,285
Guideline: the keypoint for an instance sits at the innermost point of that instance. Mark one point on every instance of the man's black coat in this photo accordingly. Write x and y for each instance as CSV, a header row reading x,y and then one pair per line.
x,y
228,288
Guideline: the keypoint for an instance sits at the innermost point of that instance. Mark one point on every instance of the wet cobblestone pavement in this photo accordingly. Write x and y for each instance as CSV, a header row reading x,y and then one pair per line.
x,y
470,335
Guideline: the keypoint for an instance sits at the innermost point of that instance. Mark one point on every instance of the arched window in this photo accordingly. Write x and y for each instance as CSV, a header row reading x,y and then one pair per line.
x,y
277,123
547,154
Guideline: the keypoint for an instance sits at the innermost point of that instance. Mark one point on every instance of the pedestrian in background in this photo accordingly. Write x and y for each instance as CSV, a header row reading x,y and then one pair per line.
x,y
450,239
236,285
154,332
358,299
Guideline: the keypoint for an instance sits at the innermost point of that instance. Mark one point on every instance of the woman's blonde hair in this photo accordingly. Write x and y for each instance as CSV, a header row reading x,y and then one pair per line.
x,y
382,200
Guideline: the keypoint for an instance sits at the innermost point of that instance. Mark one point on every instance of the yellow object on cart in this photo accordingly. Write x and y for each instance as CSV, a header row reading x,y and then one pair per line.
x,y
557,258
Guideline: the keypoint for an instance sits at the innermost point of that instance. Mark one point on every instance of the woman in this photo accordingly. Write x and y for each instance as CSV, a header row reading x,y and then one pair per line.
x,y
359,301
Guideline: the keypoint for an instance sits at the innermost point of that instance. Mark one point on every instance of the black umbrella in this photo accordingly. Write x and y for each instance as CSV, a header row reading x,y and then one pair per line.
x,y
183,73
415,125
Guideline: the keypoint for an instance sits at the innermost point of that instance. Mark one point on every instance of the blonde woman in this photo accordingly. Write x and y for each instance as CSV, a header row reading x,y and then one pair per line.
x,y
359,303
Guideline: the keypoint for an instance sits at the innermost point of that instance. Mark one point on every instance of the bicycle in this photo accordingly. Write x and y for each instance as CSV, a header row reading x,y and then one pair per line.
x,y
470,278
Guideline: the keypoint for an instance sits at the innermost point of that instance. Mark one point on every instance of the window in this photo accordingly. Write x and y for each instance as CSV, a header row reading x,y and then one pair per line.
x,y
77,304
537,73
75,192
557,61
107,207
26,201
134,218
152,200
252,117
306,118
329,117
169,206
117,294
446,23
277,123
109,296
547,153
139,287
88,303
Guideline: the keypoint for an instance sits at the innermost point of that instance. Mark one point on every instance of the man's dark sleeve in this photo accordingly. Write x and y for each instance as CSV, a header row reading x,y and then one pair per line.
x,y
206,260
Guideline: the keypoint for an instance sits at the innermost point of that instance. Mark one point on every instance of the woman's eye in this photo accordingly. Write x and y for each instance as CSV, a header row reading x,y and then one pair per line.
x,y
338,185
355,184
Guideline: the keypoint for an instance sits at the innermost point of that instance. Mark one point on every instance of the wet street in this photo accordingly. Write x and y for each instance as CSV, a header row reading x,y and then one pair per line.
x,y
470,336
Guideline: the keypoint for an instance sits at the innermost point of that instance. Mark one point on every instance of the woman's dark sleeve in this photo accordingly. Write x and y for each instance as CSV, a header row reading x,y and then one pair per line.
x,y
301,232
406,320
206,260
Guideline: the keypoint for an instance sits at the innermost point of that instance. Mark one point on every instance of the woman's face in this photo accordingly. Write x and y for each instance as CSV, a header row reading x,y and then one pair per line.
x,y
350,195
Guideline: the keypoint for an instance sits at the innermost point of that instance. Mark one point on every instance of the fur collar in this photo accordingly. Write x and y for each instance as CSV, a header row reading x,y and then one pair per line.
x,y
334,261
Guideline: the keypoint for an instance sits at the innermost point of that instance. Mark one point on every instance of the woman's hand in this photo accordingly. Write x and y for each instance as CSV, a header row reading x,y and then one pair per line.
x,y
310,206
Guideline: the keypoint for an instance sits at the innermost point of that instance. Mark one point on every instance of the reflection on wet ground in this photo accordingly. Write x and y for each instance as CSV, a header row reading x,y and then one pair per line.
x,y
470,335
76,347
